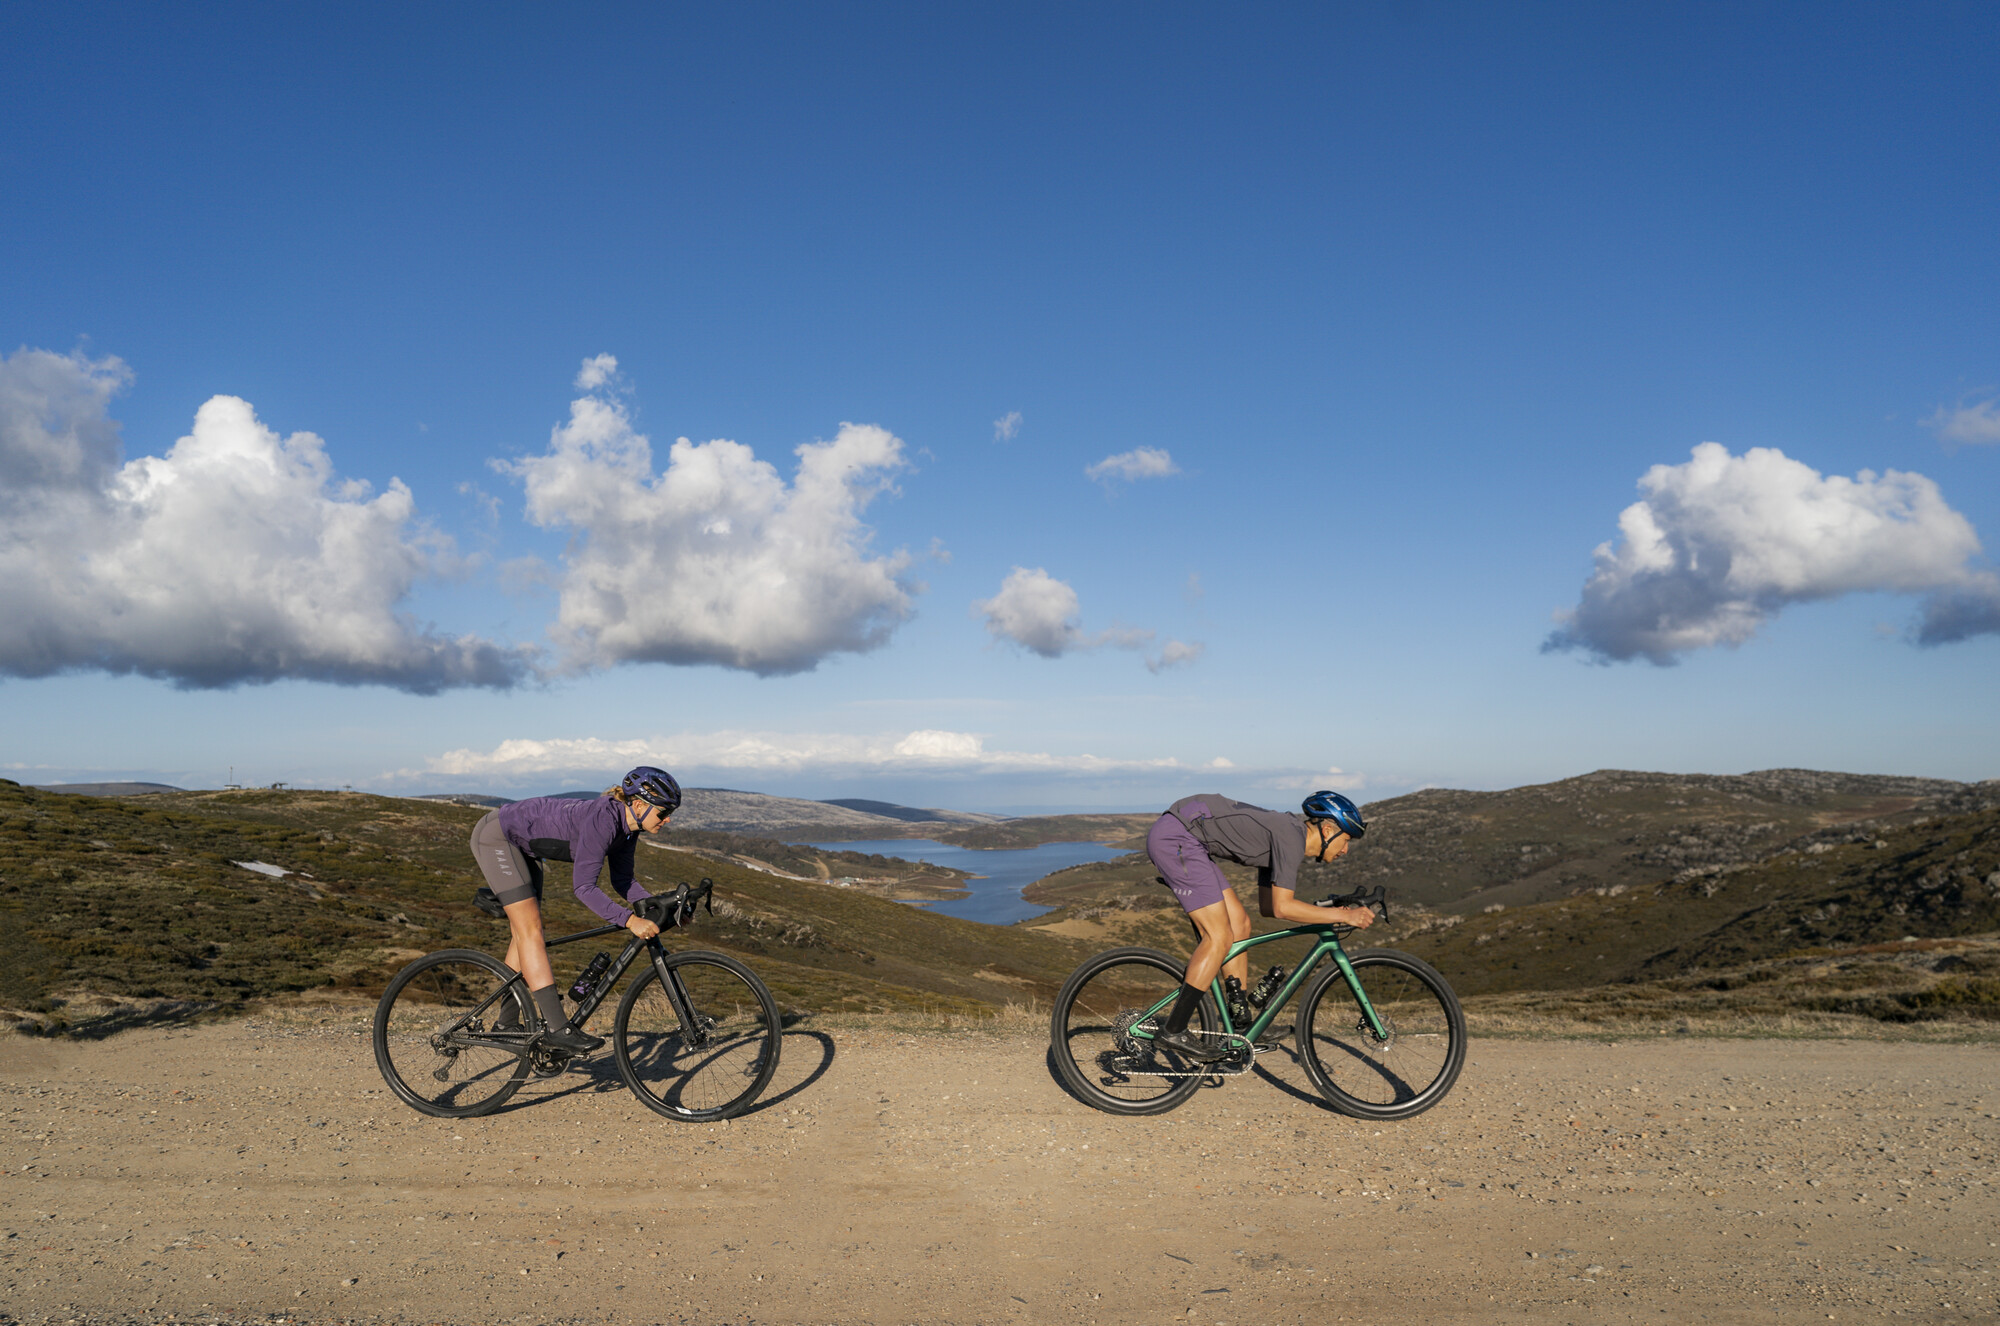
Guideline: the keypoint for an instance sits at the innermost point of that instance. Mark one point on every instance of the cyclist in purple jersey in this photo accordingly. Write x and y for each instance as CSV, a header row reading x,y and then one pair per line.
x,y
510,845
1185,844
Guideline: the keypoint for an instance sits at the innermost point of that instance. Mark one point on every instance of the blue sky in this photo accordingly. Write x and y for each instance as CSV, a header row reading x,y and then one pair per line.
x,y
1194,399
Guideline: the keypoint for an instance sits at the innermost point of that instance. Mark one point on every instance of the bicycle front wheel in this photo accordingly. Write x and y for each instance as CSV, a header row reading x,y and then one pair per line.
x,y
1373,1077
1091,1034
703,1048
442,1037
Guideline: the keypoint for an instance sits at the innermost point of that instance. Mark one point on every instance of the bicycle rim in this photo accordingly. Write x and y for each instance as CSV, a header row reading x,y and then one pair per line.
x,y
1367,1077
1091,1040
715,1070
429,1029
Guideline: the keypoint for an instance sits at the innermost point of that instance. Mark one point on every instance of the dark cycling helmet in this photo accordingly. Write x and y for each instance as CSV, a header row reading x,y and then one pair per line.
x,y
1333,806
655,787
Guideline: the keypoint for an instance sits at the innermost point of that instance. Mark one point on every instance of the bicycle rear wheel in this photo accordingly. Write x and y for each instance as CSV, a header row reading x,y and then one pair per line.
x,y
434,1034
1090,1033
711,1063
1373,1078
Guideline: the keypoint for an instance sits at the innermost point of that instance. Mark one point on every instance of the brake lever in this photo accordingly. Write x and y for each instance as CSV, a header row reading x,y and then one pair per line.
x,y
1377,898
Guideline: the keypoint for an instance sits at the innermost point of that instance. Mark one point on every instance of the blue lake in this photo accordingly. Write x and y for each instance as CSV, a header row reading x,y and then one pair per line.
x,y
996,893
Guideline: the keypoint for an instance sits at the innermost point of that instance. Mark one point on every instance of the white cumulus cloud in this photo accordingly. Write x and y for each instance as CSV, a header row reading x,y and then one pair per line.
x,y
1138,463
236,557
1042,615
741,753
1722,543
1036,611
1007,426
716,558
1173,654
1976,423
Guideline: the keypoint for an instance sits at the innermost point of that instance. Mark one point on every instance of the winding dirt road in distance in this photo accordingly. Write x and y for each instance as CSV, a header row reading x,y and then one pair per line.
x,y
258,1170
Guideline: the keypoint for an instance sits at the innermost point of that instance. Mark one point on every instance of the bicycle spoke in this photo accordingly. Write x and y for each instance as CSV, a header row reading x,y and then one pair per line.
x,y
1393,1075
1101,1030
438,1040
705,1050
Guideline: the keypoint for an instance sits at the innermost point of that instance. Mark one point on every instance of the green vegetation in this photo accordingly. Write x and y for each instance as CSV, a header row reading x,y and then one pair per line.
x,y
1111,830
1882,909
1706,917
1465,850
115,912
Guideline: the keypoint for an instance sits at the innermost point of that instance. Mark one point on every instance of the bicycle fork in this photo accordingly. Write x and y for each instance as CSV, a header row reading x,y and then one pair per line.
x,y
1371,1021
693,1025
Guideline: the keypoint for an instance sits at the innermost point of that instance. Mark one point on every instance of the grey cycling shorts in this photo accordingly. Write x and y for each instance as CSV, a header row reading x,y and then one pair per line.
x,y
512,874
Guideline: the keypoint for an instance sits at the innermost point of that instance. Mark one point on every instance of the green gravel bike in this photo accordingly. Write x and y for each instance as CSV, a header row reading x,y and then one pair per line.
x,y
1379,1033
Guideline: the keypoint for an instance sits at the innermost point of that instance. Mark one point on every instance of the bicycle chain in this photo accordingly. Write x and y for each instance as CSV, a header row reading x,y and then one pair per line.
x,y
1136,1052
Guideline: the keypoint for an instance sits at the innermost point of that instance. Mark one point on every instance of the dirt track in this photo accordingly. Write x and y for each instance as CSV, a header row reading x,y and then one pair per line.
x,y
259,1169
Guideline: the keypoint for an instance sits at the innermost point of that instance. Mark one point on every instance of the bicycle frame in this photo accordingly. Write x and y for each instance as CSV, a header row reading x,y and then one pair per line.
x,y
1328,947
670,981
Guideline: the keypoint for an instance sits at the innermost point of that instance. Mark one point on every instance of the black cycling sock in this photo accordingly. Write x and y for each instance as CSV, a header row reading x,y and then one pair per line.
x,y
548,1002
509,1018
1185,1004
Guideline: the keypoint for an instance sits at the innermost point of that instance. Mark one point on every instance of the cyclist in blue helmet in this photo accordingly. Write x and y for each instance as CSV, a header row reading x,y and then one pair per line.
x,y
1196,832
510,845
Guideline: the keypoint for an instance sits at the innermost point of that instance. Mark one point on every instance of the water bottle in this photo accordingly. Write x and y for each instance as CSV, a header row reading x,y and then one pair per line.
x,y
1266,986
586,980
1239,1011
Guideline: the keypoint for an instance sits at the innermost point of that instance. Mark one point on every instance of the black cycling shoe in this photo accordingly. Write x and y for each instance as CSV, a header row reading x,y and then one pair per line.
x,y
570,1041
1189,1046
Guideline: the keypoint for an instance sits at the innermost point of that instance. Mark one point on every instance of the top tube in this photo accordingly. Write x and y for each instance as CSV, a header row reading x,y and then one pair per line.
x,y
1326,931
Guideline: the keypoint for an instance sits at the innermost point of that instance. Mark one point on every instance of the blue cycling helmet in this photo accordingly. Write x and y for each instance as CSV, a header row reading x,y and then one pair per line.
x,y
655,787
1333,806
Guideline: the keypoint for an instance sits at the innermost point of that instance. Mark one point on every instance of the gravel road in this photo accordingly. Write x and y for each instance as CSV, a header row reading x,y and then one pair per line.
x,y
257,1171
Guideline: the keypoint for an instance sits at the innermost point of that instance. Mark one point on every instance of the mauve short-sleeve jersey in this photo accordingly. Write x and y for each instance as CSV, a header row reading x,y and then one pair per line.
x,y
1274,841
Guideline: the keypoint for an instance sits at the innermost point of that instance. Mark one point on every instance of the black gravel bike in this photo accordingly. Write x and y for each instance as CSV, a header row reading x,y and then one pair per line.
x,y
696,1036
1379,1033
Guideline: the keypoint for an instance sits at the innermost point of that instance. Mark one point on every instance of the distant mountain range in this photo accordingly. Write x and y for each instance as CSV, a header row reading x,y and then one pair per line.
x,y
1635,896
108,789
726,810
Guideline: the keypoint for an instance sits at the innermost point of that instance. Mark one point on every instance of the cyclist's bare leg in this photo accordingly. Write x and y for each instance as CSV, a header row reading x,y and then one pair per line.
x,y
1221,924
526,951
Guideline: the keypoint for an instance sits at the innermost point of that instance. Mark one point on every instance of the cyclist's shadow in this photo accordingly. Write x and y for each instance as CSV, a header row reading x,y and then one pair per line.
x,y
599,1074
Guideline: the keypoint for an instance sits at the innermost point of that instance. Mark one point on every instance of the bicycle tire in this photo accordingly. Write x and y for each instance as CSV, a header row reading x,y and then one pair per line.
x,y
1089,1036
421,1030
736,1055
1370,1079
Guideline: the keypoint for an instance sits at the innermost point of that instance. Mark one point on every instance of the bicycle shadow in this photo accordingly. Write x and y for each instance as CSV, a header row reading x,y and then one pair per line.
x,y
1211,1083
823,1043
599,1074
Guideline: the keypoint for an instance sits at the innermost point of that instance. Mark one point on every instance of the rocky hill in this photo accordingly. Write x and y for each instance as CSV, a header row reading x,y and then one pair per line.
x,y
1641,896
758,814
157,908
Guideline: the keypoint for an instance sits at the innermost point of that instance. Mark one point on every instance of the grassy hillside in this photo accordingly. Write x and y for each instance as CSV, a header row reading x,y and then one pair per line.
x,y
114,912
1466,850
1111,830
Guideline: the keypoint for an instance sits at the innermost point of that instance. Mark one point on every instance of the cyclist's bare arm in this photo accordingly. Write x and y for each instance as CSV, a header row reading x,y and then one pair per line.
x,y
1286,905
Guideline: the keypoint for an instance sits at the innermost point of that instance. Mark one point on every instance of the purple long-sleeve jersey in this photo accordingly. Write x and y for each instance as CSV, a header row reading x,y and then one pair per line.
x,y
590,835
